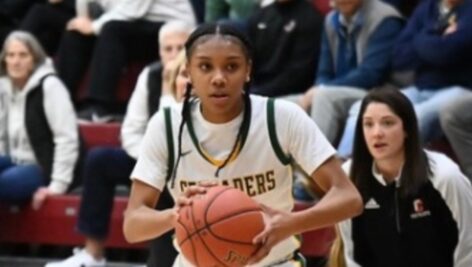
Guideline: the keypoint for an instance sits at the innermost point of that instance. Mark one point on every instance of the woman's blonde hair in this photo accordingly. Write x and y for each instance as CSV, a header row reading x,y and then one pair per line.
x,y
336,255
174,68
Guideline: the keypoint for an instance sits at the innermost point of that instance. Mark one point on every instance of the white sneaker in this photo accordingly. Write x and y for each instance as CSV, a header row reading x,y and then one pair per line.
x,y
81,258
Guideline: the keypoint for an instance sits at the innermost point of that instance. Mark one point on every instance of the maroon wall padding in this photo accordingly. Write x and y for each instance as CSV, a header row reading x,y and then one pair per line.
x,y
54,223
100,134
316,243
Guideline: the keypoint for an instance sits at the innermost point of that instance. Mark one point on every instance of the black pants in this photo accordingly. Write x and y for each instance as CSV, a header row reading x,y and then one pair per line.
x,y
47,22
104,169
118,43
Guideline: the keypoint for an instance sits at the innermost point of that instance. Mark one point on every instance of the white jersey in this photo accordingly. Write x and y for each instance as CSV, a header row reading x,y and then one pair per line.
x,y
278,133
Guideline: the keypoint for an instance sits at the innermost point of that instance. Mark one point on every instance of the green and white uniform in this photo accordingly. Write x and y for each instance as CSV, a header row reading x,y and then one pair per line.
x,y
279,132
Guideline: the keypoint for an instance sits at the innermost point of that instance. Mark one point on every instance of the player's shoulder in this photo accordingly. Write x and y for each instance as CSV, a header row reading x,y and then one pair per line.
x,y
171,112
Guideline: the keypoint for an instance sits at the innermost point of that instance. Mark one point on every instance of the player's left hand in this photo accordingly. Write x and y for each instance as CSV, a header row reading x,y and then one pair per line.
x,y
277,228
39,197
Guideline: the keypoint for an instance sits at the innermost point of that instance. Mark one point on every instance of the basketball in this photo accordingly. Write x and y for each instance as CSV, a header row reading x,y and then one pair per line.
x,y
218,228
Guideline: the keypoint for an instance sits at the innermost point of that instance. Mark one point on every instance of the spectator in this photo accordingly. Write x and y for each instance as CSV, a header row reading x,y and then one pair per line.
x,y
107,167
47,21
123,33
236,11
456,122
435,45
286,36
11,13
39,141
417,204
355,56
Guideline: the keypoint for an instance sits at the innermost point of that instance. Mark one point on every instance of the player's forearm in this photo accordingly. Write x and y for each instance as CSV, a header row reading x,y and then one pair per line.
x,y
337,205
145,223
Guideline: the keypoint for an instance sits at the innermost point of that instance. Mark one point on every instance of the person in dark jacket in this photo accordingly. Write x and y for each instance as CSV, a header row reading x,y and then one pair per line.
x,y
417,203
39,138
286,36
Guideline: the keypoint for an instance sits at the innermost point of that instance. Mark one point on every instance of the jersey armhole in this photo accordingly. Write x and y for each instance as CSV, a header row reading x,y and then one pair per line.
x,y
170,143
284,159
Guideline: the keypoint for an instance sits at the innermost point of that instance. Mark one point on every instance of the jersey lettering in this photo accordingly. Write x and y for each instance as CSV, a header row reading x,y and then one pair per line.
x,y
252,185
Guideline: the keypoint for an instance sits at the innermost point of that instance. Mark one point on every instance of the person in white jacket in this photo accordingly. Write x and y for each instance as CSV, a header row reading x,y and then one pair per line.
x,y
106,42
107,167
39,140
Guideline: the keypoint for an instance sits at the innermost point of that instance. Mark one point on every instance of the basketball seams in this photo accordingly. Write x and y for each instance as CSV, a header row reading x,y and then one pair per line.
x,y
197,233
228,218
189,237
203,234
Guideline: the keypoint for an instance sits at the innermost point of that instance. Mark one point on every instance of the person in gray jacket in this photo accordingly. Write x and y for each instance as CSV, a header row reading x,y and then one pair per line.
x,y
355,57
39,139
456,122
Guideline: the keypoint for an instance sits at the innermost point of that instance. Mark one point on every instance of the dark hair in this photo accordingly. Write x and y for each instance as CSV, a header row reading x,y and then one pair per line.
x,y
416,169
201,35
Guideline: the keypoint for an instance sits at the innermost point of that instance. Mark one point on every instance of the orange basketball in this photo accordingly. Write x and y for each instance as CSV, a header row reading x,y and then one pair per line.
x,y
218,228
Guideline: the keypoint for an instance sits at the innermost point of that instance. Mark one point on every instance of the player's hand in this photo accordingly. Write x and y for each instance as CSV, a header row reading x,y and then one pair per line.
x,y
451,29
307,98
190,192
39,197
80,24
277,228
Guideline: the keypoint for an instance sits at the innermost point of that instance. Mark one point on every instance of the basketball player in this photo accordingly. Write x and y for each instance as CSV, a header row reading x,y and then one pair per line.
x,y
233,138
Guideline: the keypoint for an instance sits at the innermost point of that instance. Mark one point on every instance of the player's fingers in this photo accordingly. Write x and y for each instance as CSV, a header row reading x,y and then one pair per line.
x,y
183,201
208,183
267,210
262,236
194,190
261,253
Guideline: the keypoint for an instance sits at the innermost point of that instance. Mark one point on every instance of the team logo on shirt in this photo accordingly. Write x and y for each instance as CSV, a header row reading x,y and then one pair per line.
x,y
371,204
419,210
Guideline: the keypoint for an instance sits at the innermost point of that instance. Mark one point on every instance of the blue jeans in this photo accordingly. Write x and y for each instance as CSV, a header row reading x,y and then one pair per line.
x,y
18,182
427,104
104,169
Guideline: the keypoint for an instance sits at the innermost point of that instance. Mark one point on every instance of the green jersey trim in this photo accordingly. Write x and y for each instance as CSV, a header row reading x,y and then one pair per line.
x,y
273,134
170,143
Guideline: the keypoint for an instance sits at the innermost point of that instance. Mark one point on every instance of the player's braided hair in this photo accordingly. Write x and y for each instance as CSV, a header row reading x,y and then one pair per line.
x,y
202,34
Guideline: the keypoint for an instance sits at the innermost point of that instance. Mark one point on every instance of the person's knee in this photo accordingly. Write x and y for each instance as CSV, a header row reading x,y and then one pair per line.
x,y
99,156
448,116
113,29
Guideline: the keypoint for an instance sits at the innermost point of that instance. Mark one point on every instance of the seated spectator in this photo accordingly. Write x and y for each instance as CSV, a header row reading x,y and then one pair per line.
x,y
39,139
417,203
107,167
286,36
11,14
435,45
355,57
456,122
47,21
234,11
124,33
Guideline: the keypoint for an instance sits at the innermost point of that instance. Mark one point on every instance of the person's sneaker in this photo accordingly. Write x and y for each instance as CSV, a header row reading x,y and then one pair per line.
x,y
81,258
94,113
